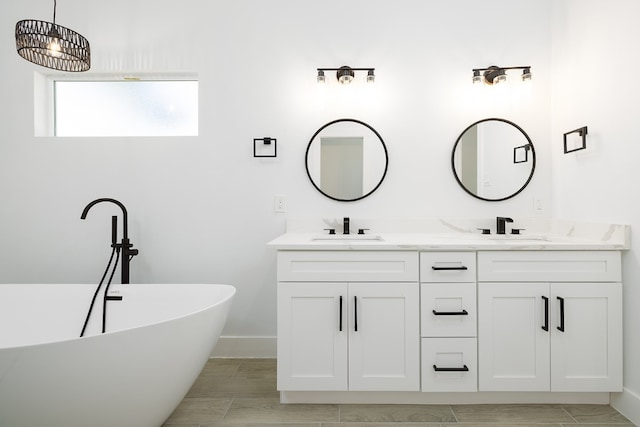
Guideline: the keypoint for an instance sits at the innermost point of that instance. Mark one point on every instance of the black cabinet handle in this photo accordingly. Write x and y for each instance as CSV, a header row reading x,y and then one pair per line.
x,y
561,327
355,314
462,267
340,317
463,369
545,327
451,313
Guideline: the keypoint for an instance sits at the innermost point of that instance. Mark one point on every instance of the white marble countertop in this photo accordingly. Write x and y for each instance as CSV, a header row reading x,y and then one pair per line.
x,y
440,235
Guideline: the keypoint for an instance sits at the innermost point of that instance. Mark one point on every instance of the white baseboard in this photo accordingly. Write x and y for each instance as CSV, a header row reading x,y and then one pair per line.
x,y
444,398
245,347
628,404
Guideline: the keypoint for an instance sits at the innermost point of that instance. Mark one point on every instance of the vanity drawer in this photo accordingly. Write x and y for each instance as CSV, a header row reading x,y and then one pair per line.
x,y
448,309
556,266
347,266
449,364
447,267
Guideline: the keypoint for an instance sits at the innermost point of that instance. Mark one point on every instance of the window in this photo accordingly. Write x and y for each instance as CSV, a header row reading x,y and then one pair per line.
x,y
125,108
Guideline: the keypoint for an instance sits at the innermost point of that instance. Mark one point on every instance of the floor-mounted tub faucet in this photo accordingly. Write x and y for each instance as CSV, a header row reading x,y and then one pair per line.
x,y
501,224
125,246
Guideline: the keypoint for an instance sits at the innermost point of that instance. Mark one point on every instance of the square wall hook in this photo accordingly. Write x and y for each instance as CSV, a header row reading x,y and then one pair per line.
x,y
265,147
581,143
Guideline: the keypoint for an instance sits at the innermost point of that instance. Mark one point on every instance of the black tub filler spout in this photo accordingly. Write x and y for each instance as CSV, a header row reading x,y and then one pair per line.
x,y
125,245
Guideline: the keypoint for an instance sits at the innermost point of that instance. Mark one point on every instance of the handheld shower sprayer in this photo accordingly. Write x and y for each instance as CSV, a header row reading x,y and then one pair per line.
x,y
114,230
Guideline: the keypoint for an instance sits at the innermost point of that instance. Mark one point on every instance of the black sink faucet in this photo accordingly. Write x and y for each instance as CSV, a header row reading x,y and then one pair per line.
x,y
127,248
345,225
501,224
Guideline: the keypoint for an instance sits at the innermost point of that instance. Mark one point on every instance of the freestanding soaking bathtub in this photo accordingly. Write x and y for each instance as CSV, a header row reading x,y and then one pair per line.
x,y
157,340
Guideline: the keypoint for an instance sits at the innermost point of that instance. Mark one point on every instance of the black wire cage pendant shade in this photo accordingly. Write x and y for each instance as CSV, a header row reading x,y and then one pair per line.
x,y
51,45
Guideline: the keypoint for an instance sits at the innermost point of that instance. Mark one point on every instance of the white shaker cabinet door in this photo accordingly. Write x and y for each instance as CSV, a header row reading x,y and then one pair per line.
x,y
384,336
312,336
513,345
586,337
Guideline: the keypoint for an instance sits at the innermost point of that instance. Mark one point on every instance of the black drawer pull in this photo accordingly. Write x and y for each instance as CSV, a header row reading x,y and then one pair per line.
x,y
561,327
340,313
462,267
450,313
463,369
355,314
545,327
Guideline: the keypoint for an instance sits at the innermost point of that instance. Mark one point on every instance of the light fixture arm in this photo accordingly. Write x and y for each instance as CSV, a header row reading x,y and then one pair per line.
x,y
352,68
493,67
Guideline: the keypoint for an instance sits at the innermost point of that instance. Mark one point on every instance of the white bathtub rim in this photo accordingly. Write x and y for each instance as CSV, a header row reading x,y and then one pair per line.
x,y
231,295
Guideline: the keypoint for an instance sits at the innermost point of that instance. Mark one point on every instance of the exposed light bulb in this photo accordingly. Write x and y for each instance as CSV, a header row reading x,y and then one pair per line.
x,y
371,77
345,79
477,78
54,48
500,78
345,75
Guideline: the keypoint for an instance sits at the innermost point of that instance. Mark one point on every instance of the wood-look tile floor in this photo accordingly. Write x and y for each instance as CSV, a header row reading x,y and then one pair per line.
x,y
242,393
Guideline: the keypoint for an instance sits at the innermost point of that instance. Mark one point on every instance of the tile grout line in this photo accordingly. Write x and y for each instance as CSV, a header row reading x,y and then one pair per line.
x,y
233,398
570,416
455,417
240,362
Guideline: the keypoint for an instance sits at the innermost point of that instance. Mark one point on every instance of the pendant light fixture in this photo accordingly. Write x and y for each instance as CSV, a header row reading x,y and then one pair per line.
x,y
52,46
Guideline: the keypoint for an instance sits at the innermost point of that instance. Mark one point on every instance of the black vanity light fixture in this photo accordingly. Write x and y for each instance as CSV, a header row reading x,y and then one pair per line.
x,y
345,74
494,74
51,45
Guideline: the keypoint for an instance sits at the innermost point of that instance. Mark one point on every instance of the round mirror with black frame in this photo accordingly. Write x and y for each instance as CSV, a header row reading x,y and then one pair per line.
x,y
493,159
346,160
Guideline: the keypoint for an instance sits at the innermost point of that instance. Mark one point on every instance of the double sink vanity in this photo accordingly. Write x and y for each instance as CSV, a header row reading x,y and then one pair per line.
x,y
496,310
434,311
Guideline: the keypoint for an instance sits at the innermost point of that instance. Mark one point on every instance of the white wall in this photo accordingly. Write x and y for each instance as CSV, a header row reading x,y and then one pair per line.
x,y
594,84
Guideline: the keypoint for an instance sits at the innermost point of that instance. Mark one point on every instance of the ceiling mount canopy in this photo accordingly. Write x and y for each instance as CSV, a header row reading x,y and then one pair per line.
x,y
51,45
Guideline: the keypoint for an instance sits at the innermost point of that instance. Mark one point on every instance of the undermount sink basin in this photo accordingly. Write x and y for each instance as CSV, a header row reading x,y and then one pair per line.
x,y
347,238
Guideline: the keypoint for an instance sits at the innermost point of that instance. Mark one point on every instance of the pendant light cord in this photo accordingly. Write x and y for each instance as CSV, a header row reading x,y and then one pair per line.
x,y
54,11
